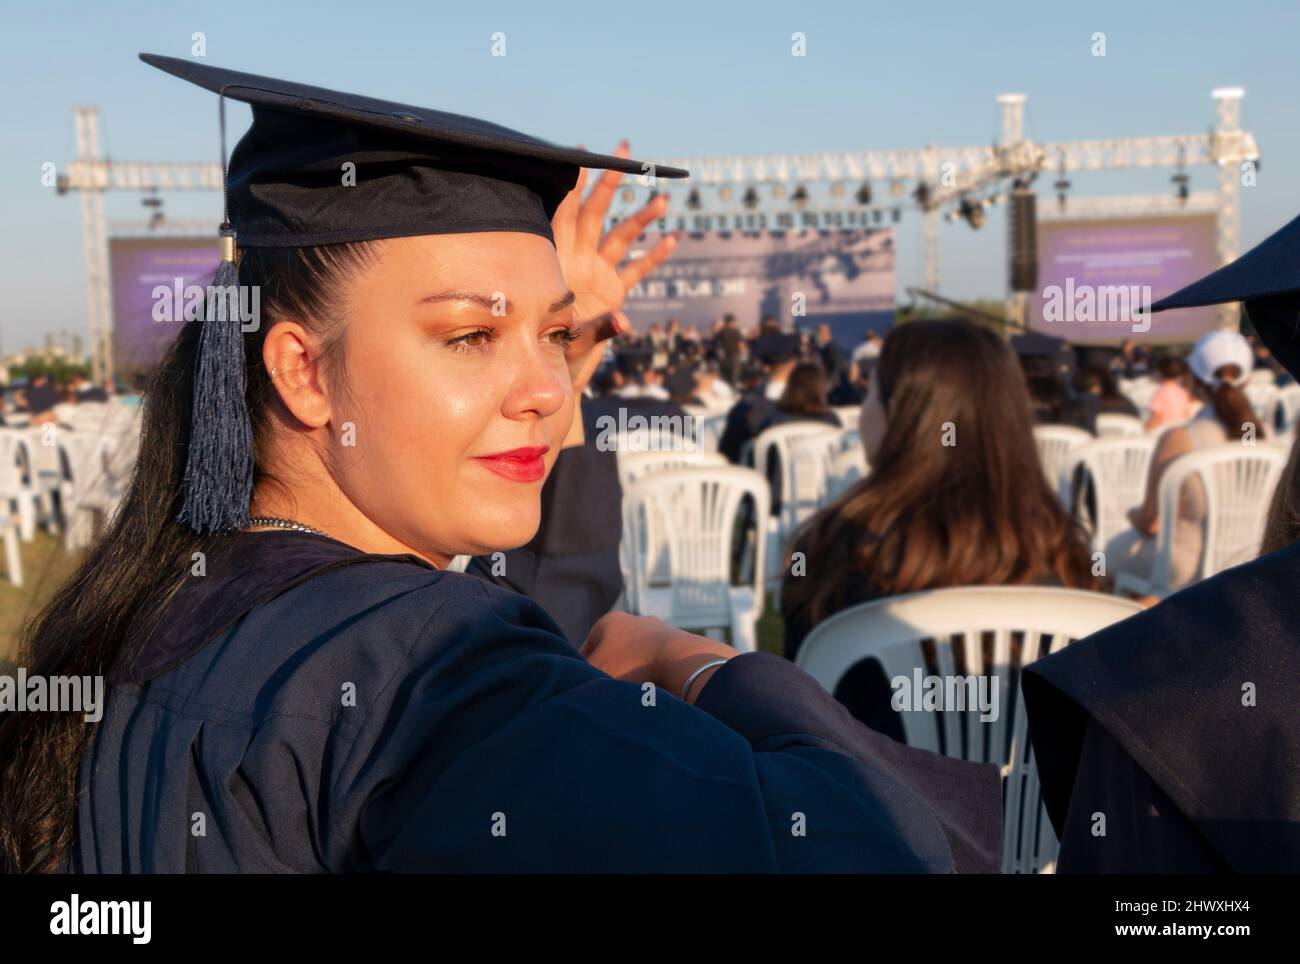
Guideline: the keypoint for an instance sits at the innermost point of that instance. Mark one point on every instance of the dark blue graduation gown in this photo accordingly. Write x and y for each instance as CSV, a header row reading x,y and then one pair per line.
x,y
478,739
1148,723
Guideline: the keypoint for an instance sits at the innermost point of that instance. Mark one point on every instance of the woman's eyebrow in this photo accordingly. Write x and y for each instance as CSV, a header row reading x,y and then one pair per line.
x,y
490,303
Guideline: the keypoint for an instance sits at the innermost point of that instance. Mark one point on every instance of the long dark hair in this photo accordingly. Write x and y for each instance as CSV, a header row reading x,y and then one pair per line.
x,y
117,593
929,514
1230,403
805,392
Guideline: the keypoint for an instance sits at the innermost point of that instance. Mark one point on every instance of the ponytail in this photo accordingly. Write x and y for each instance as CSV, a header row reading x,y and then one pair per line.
x,y
1231,404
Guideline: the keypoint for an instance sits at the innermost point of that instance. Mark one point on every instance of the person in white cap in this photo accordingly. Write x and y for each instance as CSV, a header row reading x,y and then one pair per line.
x,y
1221,362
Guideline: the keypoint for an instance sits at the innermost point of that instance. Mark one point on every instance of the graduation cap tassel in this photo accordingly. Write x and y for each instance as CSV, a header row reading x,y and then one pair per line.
x,y
219,465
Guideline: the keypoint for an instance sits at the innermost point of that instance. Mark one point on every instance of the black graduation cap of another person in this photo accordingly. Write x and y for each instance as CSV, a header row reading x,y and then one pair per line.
x,y
775,347
322,167
1267,279
680,383
634,359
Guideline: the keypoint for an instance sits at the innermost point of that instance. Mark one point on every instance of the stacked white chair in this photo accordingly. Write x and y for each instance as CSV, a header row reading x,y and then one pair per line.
x,y
47,469
1113,424
690,515
1117,470
1239,481
1055,443
19,492
895,632
804,467
633,466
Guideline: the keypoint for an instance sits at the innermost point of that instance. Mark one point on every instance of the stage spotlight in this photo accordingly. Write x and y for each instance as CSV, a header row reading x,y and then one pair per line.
x,y
1062,185
973,212
864,194
154,203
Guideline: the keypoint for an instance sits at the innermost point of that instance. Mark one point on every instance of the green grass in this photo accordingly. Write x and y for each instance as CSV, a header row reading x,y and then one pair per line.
x,y
771,628
45,566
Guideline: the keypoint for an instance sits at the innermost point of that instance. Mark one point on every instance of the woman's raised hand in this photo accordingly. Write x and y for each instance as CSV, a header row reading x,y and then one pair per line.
x,y
591,263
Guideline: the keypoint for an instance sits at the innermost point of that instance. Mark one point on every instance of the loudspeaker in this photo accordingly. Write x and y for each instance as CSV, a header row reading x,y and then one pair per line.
x,y
1024,240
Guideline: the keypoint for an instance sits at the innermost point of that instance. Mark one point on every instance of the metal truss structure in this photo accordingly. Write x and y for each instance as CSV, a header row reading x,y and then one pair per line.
x,y
769,192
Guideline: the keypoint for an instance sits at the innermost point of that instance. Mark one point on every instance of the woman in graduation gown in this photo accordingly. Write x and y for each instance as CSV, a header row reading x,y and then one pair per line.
x,y
1170,742
295,681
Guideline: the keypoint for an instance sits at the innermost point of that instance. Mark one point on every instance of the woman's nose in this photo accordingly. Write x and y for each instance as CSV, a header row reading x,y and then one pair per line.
x,y
540,384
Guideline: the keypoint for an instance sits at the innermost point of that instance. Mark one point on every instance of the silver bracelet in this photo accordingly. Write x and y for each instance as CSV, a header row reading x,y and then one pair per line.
x,y
707,666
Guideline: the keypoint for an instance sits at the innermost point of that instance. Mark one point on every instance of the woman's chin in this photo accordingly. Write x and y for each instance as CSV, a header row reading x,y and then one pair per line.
x,y
503,534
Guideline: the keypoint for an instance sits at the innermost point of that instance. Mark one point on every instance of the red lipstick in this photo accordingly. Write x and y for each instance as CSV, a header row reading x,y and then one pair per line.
x,y
517,465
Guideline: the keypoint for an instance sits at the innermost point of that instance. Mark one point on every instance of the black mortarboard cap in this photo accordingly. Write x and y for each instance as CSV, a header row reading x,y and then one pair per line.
x,y
417,170
317,167
1267,279
680,383
633,360
776,347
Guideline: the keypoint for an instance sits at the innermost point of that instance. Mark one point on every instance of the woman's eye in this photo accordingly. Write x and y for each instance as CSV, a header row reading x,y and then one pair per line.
x,y
474,341
564,336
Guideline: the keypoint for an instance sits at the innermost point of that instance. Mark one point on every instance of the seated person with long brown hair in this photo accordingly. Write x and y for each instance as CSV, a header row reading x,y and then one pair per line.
x,y
955,496
804,400
1220,363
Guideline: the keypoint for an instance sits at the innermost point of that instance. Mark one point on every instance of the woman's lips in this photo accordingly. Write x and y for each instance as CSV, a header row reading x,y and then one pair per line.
x,y
517,465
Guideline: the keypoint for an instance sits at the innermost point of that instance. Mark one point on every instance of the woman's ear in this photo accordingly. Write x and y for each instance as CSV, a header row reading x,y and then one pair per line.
x,y
292,357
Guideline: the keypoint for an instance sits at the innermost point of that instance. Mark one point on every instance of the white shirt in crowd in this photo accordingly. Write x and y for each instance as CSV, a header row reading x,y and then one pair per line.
x,y
868,350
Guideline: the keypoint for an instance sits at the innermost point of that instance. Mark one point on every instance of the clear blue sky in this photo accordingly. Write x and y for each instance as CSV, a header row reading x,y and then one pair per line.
x,y
676,78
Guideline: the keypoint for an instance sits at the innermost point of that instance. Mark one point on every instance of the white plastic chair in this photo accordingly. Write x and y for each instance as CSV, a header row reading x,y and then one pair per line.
x,y
848,415
942,633
847,468
1055,443
711,428
636,465
1113,424
691,513
47,473
1287,410
18,484
1239,481
806,466
1263,398
1117,470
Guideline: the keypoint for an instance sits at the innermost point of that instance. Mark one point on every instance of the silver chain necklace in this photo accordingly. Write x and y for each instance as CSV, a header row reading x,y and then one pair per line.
x,y
275,522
